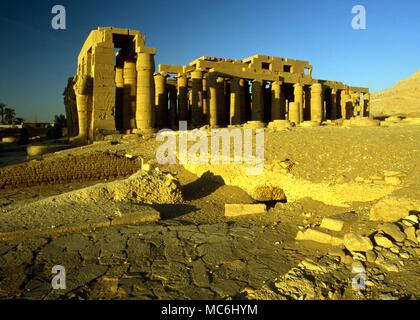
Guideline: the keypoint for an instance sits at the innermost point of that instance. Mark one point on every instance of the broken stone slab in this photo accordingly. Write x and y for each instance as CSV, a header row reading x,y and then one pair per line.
x,y
410,232
383,241
393,231
338,221
410,220
393,209
332,224
319,236
236,210
147,214
371,256
357,243
394,181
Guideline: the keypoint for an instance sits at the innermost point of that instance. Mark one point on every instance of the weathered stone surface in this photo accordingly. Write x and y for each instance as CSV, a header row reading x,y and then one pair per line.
x,y
410,232
383,241
333,224
393,231
371,256
355,242
393,209
235,210
395,181
318,236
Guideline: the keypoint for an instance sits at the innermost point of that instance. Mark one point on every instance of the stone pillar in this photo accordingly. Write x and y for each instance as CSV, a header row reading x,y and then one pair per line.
x,y
346,105
294,112
129,99
212,100
257,111
119,95
197,98
237,101
83,89
365,104
161,101
145,111
205,101
182,86
221,101
317,103
172,107
277,105
247,111
333,98
298,92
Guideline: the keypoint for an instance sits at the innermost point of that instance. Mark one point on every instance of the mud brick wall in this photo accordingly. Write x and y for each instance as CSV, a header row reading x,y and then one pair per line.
x,y
61,170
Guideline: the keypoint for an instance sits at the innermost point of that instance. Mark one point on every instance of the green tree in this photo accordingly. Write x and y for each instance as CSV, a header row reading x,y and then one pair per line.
x,y
18,120
2,108
9,115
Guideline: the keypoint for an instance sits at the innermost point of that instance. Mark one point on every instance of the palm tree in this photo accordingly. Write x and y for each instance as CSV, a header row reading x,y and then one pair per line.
x,y
9,115
2,107
18,120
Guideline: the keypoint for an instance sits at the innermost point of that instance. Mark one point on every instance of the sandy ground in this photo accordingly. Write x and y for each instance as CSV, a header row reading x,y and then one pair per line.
x,y
194,252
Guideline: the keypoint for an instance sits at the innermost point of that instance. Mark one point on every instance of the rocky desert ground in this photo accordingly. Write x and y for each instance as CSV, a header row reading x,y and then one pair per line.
x,y
335,216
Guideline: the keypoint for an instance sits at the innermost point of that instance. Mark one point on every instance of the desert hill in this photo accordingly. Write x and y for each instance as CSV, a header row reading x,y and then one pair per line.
x,y
403,98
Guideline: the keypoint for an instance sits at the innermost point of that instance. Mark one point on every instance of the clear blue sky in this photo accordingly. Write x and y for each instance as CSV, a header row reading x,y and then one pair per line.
x,y
36,60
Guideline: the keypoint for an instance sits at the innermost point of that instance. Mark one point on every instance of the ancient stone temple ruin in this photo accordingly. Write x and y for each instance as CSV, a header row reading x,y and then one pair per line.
x,y
116,89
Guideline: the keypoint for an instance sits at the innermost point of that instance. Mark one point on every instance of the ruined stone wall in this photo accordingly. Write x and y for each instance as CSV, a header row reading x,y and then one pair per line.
x,y
53,171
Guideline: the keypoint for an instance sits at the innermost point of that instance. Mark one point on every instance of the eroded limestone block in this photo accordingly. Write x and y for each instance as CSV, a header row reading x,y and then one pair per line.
x,y
318,236
358,243
393,209
235,210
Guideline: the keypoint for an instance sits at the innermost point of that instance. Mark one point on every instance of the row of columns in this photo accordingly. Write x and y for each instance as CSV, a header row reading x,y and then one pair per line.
x,y
135,92
206,101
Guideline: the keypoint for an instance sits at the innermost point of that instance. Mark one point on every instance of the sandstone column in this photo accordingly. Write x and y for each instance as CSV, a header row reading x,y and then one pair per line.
x,y
129,98
317,103
182,86
237,101
365,104
145,102
161,101
221,101
298,92
197,98
205,101
294,112
83,89
119,95
333,98
172,107
345,105
277,105
212,100
257,111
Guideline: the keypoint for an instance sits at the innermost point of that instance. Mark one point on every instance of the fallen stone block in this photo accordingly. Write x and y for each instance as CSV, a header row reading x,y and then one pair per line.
x,y
332,224
393,231
236,210
393,209
318,236
383,241
357,243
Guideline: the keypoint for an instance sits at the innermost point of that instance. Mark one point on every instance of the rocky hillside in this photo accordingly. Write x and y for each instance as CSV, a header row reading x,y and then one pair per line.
x,y
403,98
